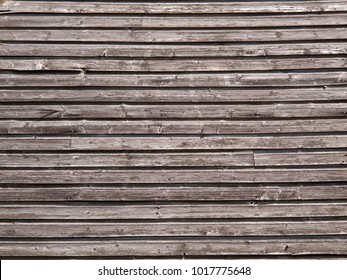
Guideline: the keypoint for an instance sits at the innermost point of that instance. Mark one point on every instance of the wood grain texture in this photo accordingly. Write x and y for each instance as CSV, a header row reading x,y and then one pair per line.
x,y
173,36
177,248
113,50
169,127
173,8
231,80
127,160
173,129
170,143
164,192
163,211
182,229
164,65
292,159
159,95
246,158
188,21
182,111
173,176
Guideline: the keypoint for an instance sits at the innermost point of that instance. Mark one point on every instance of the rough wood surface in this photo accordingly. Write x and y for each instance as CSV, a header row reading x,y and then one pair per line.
x,y
158,95
164,192
246,158
173,176
183,229
173,128
169,127
183,111
173,36
177,248
165,65
188,21
127,159
170,143
163,211
232,80
173,8
301,158
170,51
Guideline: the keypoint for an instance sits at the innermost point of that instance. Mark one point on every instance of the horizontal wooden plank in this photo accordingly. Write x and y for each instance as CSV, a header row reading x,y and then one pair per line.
x,y
155,50
300,158
188,21
231,80
168,111
171,211
173,36
173,159
186,248
34,143
100,176
169,127
168,65
170,143
204,192
66,230
126,159
172,8
174,95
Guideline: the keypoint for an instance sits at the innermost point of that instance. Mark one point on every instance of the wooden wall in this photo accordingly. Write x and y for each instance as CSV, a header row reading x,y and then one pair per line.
x,y
177,129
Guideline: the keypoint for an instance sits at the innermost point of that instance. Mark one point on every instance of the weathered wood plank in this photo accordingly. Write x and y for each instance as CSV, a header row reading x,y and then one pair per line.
x,y
168,65
127,160
34,143
77,230
154,50
205,192
174,95
169,127
173,8
170,143
104,176
168,111
188,21
171,211
300,158
231,80
209,142
173,36
173,159
186,248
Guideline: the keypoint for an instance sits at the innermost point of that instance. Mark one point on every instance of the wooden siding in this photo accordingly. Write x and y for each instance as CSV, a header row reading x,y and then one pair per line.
x,y
173,128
